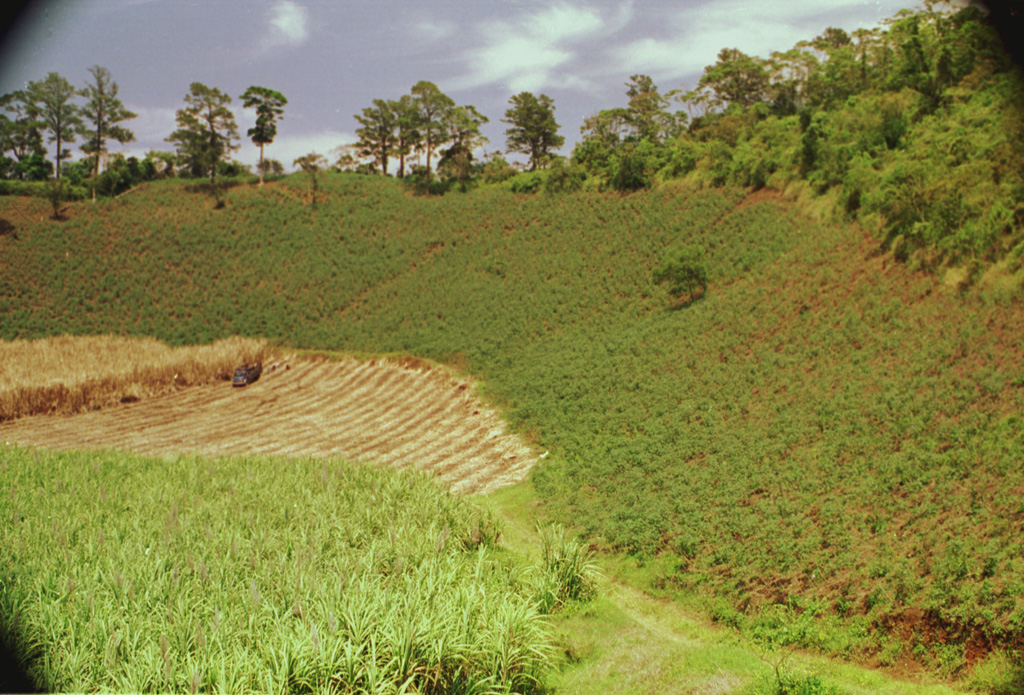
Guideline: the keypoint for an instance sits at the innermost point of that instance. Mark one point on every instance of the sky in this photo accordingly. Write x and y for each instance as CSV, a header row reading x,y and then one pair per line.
x,y
331,58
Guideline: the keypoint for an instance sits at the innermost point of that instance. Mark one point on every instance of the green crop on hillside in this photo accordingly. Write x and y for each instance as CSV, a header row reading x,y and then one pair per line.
x,y
122,573
819,429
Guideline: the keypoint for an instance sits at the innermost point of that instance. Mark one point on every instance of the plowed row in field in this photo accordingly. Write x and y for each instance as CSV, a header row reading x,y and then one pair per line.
x,y
397,415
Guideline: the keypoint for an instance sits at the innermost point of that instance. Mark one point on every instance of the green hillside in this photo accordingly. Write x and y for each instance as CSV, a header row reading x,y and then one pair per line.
x,y
823,428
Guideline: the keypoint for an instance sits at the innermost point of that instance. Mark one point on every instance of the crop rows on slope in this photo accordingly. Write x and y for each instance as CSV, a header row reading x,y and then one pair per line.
x,y
374,411
830,432
164,264
821,426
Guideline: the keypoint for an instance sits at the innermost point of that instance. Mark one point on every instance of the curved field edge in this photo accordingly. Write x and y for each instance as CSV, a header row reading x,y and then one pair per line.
x,y
253,574
396,412
823,429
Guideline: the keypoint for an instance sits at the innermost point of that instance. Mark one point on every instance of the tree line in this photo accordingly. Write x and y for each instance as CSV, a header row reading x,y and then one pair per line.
x,y
427,121
207,131
911,127
922,56
45,109
53,112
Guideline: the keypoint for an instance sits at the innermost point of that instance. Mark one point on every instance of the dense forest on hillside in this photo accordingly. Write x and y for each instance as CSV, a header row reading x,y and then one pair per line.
x,y
914,129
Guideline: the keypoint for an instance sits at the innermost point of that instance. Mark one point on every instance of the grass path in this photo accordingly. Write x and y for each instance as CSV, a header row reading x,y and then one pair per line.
x,y
630,642
627,641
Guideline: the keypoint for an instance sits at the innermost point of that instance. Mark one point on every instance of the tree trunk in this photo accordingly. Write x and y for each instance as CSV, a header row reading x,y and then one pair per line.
x,y
261,165
99,140
213,145
57,155
428,165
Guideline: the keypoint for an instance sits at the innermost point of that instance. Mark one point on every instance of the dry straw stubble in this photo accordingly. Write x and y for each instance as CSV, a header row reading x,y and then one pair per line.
x,y
74,374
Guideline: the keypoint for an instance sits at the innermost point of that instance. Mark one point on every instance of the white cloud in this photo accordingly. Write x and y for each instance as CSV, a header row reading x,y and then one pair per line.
x,y
755,27
287,148
431,31
565,22
518,61
535,48
152,125
289,24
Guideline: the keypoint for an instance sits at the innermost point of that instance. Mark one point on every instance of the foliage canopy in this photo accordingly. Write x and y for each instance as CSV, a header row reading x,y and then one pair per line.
x,y
269,105
684,271
206,130
533,129
104,112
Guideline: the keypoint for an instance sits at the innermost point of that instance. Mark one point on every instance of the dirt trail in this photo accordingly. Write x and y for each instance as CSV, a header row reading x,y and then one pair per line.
x,y
400,416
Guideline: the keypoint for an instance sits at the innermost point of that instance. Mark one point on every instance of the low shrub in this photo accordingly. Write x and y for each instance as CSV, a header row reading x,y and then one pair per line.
x,y
40,189
565,178
566,571
526,182
685,272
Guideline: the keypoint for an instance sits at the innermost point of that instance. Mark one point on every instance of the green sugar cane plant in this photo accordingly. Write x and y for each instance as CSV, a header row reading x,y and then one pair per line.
x,y
566,572
264,576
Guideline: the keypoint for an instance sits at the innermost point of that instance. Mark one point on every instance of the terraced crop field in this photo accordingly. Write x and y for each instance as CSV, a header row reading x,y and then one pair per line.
x,y
400,415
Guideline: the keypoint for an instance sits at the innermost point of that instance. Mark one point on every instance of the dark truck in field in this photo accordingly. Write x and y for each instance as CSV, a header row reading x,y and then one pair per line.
x,y
246,374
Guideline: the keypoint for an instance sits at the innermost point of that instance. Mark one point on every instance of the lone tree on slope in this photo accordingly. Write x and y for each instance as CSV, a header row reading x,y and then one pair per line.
x,y
534,131
103,111
206,129
269,107
312,164
684,271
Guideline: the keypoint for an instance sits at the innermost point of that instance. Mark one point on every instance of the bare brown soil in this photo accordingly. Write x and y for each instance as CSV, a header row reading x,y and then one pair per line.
x,y
403,416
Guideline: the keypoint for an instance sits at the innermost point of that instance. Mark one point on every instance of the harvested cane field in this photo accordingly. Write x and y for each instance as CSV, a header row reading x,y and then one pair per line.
x,y
400,415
